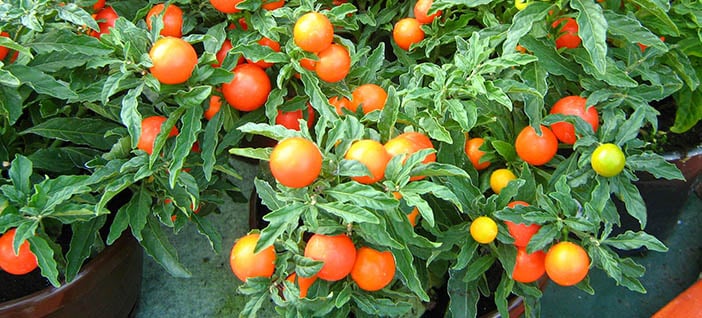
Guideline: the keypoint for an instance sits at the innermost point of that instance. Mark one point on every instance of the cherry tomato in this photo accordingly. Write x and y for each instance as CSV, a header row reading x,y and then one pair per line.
x,y
608,160
333,64
172,19
106,19
16,264
567,263
272,5
472,150
567,33
534,149
173,59
573,105
421,11
313,32
406,32
295,162
369,96
290,120
4,50
529,267
483,230
226,6
249,89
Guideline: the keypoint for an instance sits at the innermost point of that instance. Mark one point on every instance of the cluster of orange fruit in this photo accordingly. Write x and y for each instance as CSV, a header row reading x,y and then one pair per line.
x,y
369,268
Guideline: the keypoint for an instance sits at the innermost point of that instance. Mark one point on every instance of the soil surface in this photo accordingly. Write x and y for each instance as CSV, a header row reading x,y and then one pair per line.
x,y
666,141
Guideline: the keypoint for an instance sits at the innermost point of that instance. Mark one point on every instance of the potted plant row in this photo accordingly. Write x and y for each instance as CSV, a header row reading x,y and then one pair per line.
x,y
106,145
475,149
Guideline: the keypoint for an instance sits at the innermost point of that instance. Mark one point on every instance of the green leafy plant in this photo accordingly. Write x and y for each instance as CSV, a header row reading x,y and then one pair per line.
x,y
71,112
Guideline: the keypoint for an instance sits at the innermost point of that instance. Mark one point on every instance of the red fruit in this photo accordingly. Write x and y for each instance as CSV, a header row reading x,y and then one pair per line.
x,y
573,105
249,88
106,19
16,264
150,127
567,33
290,120
337,252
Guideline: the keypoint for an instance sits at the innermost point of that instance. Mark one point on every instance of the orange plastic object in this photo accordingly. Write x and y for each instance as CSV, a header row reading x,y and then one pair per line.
x,y
686,304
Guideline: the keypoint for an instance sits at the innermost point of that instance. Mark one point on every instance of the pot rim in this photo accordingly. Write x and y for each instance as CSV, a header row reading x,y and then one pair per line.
x,y
680,155
119,246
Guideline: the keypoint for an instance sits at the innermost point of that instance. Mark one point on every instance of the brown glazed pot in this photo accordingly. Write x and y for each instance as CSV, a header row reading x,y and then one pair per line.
x,y
107,286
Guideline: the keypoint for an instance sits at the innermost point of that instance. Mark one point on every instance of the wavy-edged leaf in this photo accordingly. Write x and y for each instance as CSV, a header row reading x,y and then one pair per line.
x,y
592,29
156,244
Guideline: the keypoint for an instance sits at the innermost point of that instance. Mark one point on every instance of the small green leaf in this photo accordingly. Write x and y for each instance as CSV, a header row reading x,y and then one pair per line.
x,y
156,244
361,195
45,257
254,153
349,213
630,240
592,29
83,131
41,82
84,235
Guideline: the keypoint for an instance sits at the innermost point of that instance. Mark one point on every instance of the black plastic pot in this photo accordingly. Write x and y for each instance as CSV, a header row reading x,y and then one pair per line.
x,y
108,286
665,198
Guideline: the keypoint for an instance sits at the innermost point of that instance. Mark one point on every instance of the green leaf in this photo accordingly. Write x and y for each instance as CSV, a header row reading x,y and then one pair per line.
x,y
629,194
66,41
84,235
630,240
349,213
139,210
76,15
119,224
656,9
41,82
361,195
549,58
654,164
688,113
522,23
209,231
45,257
478,268
679,61
465,255
407,272
156,244
63,160
20,171
464,296
545,236
8,79
254,153
631,29
209,145
130,114
184,141
276,132
279,221
83,131
592,29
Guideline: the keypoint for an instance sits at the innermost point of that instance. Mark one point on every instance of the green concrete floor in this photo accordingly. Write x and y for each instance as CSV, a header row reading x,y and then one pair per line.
x,y
211,292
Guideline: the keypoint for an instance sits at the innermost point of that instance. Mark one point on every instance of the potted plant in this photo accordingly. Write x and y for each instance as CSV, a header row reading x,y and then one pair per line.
x,y
533,113
110,124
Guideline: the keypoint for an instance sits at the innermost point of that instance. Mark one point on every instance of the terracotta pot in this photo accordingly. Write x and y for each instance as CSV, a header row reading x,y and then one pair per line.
x,y
108,286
